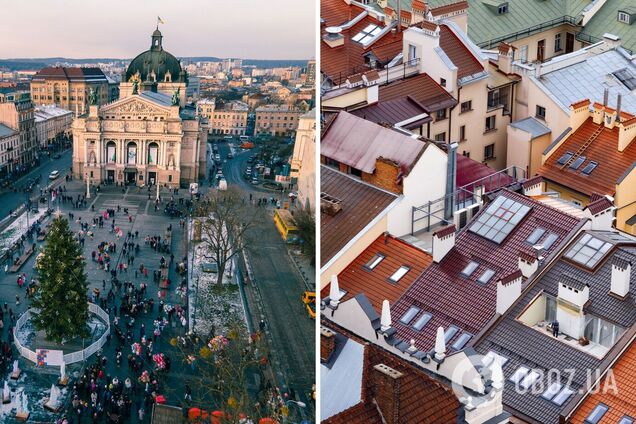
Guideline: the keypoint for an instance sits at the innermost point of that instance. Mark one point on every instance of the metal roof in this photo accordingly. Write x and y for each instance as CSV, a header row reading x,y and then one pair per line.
x,y
605,20
6,131
531,125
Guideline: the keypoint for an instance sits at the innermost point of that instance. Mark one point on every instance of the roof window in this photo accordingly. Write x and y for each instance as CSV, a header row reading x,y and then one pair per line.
x,y
597,413
588,251
374,261
462,341
626,419
422,321
367,34
535,236
499,219
486,276
566,157
520,374
409,315
470,268
589,167
577,162
401,272
562,396
489,358
549,241
450,332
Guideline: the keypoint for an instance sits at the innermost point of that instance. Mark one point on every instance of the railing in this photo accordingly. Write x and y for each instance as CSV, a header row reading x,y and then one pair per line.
x,y
387,74
528,31
69,358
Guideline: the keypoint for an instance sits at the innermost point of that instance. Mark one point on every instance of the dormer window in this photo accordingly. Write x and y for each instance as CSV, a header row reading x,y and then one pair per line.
x,y
623,17
503,8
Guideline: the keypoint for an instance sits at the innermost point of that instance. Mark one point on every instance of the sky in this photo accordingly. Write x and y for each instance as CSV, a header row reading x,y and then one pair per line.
x,y
248,29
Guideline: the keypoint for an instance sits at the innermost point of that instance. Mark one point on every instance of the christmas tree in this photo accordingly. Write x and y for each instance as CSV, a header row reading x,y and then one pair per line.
x,y
61,296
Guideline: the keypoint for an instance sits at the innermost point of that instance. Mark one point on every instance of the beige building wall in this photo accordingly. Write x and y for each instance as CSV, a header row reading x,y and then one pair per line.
x,y
530,44
525,152
73,96
303,161
625,202
277,120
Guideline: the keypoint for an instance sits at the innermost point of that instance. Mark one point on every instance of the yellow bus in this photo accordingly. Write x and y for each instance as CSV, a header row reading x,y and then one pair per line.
x,y
285,224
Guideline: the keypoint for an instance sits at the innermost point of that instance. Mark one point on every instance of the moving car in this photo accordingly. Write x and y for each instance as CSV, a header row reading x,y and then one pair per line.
x,y
53,175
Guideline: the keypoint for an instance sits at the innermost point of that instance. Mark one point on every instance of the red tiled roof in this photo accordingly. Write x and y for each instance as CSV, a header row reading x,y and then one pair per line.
x,y
428,25
359,143
511,277
581,103
375,284
445,231
406,15
392,111
449,8
423,89
532,181
453,299
620,398
458,53
612,164
418,6
599,205
469,171
390,47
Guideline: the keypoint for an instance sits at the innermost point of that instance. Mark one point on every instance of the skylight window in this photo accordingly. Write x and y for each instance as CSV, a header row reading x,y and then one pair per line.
x,y
626,77
486,276
397,275
552,391
562,396
535,236
470,268
422,321
577,162
588,251
375,260
530,379
566,157
489,358
589,167
549,241
461,341
597,413
520,374
409,315
367,34
499,219
450,332
626,420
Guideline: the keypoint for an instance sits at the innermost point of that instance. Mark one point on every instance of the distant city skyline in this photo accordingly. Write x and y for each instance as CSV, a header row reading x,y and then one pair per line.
x,y
80,29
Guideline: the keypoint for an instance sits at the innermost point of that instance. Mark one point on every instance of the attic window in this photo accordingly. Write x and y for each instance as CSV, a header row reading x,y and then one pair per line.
x,y
450,333
375,260
397,275
503,8
422,321
367,34
489,358
597,414
462,341
520,374
623,17
549,241
557,393
562,396
626,420
470,268
577,162
486,276
566,157
535,236
588,251
589,167
409,315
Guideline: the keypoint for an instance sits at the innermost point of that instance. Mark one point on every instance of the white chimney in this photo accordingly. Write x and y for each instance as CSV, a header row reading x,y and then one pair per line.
x,y
412,349
533,186
508,290
601,213
528,264
573,291
621,275
440,345
626,133
443,242
334,291
385,319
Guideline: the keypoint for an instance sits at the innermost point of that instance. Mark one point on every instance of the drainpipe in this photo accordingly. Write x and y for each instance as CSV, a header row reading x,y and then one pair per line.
x,y
451,172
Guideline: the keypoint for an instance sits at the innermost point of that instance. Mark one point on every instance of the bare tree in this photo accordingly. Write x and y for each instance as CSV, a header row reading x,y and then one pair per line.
x,y
224,217
306,223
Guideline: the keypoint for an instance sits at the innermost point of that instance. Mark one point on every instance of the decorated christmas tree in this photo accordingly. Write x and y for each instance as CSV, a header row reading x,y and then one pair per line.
x,y
61,296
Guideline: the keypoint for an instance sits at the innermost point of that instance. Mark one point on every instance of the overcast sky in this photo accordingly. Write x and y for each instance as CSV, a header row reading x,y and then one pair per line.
x,y
249,29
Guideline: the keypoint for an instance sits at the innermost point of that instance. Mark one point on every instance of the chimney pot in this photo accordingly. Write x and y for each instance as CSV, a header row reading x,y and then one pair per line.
x,y
334,291
621,275
440,345
385,319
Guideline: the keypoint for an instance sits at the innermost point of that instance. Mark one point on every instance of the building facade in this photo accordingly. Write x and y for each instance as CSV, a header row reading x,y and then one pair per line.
x,y
277,120
18,114
70,88
9,141
231,118
52,125
303,161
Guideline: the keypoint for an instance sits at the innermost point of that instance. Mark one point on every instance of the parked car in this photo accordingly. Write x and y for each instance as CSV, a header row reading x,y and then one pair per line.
x,y
254,180
53,175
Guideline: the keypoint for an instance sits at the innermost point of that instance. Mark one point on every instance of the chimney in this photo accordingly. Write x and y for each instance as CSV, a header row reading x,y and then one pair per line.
x,y
601,213
605,96
612,41
385,319
573,291
334,292
399,16
505,57
508,290
528,264
598,113
621,274
333,37
579,112
626,133
443,242
387,388
440,345
533,186
497,375
327,343
329,204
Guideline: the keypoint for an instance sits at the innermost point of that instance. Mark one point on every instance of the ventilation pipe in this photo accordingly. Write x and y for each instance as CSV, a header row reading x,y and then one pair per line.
x,y
451,185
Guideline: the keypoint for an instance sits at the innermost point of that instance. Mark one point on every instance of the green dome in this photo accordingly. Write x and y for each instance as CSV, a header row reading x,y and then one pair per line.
x,y
158,60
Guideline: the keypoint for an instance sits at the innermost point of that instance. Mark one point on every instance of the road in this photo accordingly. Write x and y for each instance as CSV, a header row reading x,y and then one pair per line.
x,y
278,287
10,201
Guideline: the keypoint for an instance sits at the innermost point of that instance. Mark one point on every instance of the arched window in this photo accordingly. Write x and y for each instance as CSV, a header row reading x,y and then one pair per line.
x,y
111,152
153,154
131,153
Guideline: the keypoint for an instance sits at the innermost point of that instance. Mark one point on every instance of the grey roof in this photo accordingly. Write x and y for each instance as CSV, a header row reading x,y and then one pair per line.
x,y
606,21
159,98
534,349
5,131
531,125
588,79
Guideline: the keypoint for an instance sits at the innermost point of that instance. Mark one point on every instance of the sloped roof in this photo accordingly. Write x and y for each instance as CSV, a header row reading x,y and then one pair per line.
x,y
605,20
458,53
612,164
361,203
388,48
393,111
6,131
526,346
453,299
375,284
63,73
359,143
423,89
532,126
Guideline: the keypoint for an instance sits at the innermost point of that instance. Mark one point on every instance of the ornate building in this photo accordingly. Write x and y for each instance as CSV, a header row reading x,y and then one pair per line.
x,y
148,136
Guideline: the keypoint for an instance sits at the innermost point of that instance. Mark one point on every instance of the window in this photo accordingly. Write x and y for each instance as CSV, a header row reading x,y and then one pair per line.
x,y
566,157
588,251
440,114
449,333
503,8
562,396
462,133
490,123
530,379
499,219
374,261
469,269
440,137
489,151
523,53
367,34
461,341
466,106
442,82
557,42
422,321
535,236
626,420
397,275
576,163
486,276
519,375
489,358
589,168
412,52
597,413
623,17
549,241
493,99
409,315
540,113
552,391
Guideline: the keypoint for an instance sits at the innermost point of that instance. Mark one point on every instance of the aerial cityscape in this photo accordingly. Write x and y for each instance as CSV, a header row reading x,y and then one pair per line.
x,y
157,218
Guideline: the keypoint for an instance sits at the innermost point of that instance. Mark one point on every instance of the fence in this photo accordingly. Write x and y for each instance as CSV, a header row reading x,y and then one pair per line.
x,y
69,358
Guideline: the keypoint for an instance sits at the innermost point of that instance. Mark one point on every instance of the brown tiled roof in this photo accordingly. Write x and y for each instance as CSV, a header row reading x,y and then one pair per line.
x,y
581,103
406,15
372,75
375,284
359,413
423,89
458,53
511,277
599,205
355,78
428,25
62,73
449,8
359,143
386,50
532,181
418,6
612,164
621,401
392,111
361,203
445,231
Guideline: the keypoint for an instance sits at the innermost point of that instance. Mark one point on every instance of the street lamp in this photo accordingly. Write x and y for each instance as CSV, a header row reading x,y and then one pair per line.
x,y
88,188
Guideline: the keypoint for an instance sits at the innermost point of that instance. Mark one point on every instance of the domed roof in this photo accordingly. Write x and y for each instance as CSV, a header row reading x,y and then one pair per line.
x,y
158,60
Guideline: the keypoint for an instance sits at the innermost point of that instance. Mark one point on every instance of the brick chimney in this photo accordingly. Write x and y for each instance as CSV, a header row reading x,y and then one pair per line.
x,y
327,343
505,57
621,275
443,242
508,290
387,387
